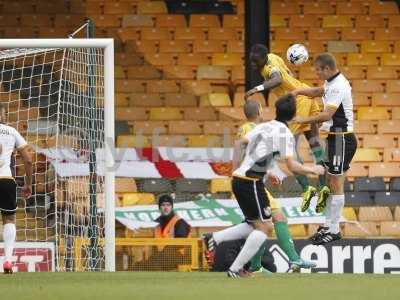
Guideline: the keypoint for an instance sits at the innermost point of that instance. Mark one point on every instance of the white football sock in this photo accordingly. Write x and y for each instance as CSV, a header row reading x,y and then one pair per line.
x,y
9,233
237,232
336,212
328,209
253,243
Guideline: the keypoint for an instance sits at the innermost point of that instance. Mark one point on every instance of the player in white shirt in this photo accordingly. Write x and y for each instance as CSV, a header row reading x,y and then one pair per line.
x,y
10,139
267,141
338,122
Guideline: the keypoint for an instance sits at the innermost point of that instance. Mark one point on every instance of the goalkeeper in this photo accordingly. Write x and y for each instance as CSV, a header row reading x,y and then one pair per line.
x,y
279,79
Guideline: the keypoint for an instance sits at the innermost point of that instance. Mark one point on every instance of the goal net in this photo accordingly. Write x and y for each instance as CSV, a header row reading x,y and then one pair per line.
x,y
56,99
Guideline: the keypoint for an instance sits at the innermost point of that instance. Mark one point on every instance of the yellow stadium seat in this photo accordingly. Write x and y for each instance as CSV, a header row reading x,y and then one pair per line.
x,y
349,213
154,34
208,46
130,141
233,21
204,141
375,214
222,34
379,141
173,46
120,72
137,21
288,34
179,99
367,155
200,114
354,72
151,8
238,74
121,100
282,8
129,199
231,114
364,127
307,72
187,33
169,141
170,21
304,21
390,59
178,72
298,230
393,86
234,46
383,8
367,86
389,126
212,72
362,59
375,46
162,86
122,59
383,99
361,99
355,34
145,100
165,113
387,34
384,169
149,128
279,46
227,59
129,86
160,59
106,21
358,170
131,114
350,8
365,21
144,46
335,21
318,8
221,185
143,72
391,155
342,47
277,21
204,21
390,229
396,113
360,229
185,127
378,72
394,21
125,185
196,87
215,99
219,127
192,59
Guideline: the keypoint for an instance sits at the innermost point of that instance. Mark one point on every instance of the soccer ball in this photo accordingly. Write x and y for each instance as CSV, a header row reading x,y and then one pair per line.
x,y
297,54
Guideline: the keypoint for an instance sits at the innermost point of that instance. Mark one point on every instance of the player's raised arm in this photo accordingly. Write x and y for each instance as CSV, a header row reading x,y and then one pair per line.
x,y
309,92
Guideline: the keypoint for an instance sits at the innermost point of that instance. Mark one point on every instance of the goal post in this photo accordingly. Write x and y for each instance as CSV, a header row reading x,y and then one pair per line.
x,y
104,87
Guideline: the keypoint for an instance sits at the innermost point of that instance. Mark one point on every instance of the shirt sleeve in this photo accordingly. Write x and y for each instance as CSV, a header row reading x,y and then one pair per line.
x,y
286,147
20,142
333,96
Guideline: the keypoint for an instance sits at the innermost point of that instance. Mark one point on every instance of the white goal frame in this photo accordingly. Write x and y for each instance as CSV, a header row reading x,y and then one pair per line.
x,y
109,176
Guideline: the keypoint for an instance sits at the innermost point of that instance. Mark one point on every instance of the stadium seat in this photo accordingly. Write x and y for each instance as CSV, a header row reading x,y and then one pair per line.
x,y
384,169
358,199
383,99
369,184
342,47
204,141
365,21
397,213
212,72
169,141
364,127
172,46
234,46
125,185
154,34
394,185
362,59
379,141
192,59
186,33
367,155
170,21
131,114
196,87
208,46
383,8
315,47
304,21
389,126
233,21
360,229
323,34
361,99
121,100
354,72
396,113
279,46
219,127
215,99
122,59
159,59
336,21
238,74
231,114
394,21
143,72
291,34
137,21
223,34
393,86
375,214
282,8
378,72
375,46
318,8
277,21
192,185
387,34
145,99
220,185
41,20
143,46
350,8
77,7
391,155
165,113
238,99
390,59
109,21
151,8
182,100
130,199
297,230
227,59
390,229
355,34
156,186
49,7
349,213
371,113
162,86
130,141
202,21
200,114
149,128
185,127
387,198
307,72
179,72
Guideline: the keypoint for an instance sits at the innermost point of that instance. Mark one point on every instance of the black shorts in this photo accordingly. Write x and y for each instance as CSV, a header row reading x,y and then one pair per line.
x,y
341,150
8,198
252,199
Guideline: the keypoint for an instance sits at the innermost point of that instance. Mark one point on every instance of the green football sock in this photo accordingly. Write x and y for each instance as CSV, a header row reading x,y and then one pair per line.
x,y
303,181
285,240
255,262
319,155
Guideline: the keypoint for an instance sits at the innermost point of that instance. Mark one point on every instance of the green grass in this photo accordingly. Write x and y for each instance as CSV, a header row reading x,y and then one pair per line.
x,y
193,286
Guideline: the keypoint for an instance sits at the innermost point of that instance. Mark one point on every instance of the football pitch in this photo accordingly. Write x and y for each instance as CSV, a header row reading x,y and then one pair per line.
x,y
193,286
